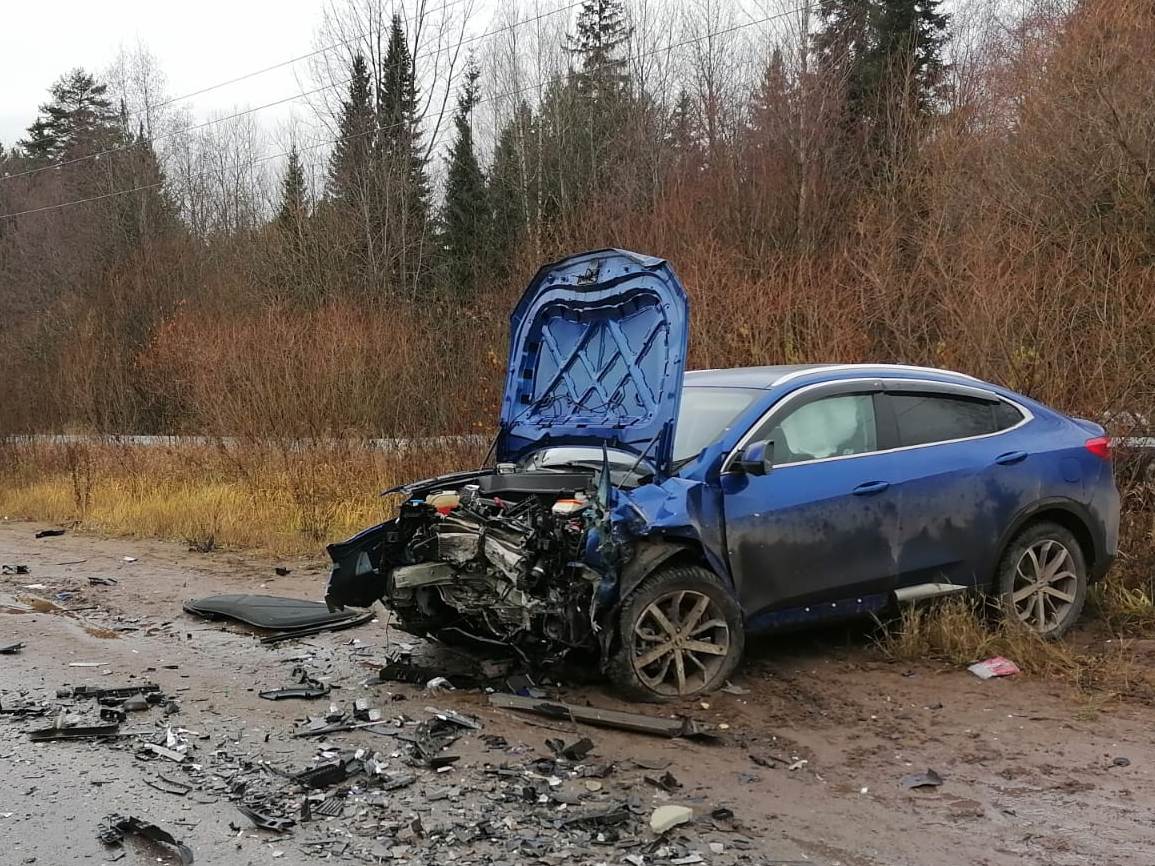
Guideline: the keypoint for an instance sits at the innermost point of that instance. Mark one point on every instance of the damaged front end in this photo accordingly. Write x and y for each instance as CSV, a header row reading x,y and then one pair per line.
x,y
523,559
526,553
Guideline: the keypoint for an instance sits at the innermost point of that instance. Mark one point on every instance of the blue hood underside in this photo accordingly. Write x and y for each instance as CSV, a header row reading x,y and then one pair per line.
x,y
597,354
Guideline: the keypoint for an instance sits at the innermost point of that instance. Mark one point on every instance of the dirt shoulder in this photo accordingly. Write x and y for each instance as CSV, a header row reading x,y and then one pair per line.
x,y
1030,774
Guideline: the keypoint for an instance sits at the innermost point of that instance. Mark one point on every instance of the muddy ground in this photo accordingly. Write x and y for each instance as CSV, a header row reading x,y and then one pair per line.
x,y
1031,773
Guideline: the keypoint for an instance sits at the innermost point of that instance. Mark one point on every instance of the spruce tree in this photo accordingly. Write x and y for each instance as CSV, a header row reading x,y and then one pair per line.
x,y
684,134
351,161
401,164
888,51
600,45
294,207
509,191
465,218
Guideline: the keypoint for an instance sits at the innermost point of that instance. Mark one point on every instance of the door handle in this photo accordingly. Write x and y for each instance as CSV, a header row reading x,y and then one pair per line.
x,y
870,488
1011,457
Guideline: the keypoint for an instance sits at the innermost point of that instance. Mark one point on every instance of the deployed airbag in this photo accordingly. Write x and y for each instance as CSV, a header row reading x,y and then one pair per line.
x,y
268,611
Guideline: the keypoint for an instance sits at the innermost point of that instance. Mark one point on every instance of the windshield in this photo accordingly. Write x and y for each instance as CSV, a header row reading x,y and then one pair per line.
x,y
705,415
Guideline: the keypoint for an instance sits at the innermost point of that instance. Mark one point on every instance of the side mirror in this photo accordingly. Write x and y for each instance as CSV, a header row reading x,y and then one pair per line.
x,y
757,457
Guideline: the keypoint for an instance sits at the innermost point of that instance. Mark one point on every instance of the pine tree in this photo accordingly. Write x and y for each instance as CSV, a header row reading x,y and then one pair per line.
x,y
350,163
294,207
78,118
466,216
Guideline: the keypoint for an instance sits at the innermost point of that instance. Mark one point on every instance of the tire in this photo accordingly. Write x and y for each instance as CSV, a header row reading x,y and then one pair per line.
x,y
1047,556
674,594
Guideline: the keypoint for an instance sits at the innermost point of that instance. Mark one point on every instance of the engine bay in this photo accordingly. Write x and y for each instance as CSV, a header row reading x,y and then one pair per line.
x,y
500,557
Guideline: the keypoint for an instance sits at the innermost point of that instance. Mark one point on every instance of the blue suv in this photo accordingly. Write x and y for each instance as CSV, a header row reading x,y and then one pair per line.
x,y
651,518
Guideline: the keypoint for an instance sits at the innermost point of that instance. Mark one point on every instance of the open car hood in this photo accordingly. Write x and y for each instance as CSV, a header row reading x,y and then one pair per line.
x,y
597,353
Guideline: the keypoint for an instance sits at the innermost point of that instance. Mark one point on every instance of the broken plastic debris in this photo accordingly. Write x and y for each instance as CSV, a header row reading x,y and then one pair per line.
x,y
929,779
49,533
666,818
438,684
994,667
114,828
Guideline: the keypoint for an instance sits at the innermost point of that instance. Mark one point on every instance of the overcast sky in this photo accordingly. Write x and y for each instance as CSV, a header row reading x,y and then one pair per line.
x,y
197,42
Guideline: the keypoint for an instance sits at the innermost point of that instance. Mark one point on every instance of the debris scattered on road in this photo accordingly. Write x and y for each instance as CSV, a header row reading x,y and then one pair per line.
x,y
667,782
73,732
309,688
108,692
267,611
135,704
1121,762
340,625
402,670
462,721
281,571
87,664
574,751
266,821
635,722
169,786
164,752
665,818
129,558
994,667
50,533
929,779
103,581
114,828
11,648
13,569
732,689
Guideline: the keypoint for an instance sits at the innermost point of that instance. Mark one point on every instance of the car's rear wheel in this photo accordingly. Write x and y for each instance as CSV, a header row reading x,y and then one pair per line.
x,y
679,635
1042,579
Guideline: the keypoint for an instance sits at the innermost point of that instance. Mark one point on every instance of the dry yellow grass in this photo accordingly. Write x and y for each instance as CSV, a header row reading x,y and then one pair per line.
x,y
285,501
961,631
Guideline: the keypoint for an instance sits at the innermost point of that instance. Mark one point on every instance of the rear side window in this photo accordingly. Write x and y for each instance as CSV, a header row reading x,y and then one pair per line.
x,y
926,418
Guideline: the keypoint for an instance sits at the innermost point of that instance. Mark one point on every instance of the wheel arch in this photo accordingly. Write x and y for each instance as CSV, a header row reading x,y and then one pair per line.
x,y
652,554
649,555
1068,514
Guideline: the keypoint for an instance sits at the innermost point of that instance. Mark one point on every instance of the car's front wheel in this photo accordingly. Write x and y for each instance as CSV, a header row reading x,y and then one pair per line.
x,y
1042,580
679,635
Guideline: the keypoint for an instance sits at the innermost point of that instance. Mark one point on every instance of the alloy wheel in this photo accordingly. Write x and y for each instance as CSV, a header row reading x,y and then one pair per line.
x,y
1045,585
680,642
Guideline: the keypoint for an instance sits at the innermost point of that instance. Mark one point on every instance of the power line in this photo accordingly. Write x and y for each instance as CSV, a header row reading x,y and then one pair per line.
x,y
361,34
213,122
511,93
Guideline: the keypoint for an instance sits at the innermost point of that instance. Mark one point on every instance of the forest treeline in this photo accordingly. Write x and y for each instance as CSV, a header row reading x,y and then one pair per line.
x,y
857,180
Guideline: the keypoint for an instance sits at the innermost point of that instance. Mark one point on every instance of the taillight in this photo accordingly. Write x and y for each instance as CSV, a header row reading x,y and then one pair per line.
x,y
1100,446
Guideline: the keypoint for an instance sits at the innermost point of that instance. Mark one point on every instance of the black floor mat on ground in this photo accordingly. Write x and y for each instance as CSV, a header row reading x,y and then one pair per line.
x,y
268,611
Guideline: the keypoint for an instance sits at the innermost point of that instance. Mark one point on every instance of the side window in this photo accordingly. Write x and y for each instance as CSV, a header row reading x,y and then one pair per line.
x,y
927,418
835,426
1006,415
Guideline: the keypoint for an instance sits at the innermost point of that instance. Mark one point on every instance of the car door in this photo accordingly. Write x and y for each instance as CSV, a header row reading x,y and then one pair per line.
x,y
966,471
819,527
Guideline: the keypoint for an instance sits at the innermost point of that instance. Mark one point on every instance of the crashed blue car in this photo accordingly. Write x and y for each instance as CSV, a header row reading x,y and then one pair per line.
x,y
649,519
